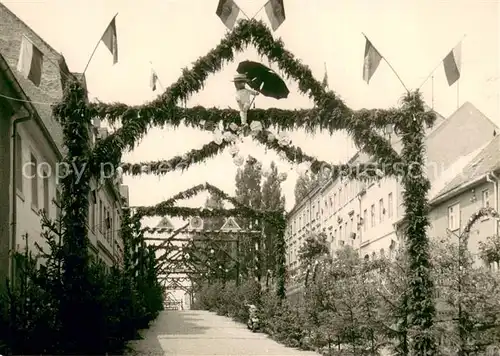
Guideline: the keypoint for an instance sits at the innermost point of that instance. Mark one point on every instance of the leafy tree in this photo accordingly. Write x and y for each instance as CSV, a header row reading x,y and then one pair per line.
x,y
469,295
248,192
214,202
303,186
272,199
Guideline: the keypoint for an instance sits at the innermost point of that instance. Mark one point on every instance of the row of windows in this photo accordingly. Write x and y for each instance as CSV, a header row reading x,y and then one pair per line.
x,y
34,174
383,211
99,211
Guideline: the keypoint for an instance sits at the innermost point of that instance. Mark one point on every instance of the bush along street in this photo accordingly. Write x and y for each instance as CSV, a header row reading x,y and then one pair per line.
x,y
350,306
117,303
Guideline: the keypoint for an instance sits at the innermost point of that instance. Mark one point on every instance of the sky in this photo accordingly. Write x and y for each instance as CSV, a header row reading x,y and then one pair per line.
x,y
168,35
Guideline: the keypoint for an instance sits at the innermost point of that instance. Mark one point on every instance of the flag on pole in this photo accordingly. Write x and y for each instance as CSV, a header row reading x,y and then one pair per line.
x,y
324,83
109,38
452,64
275,10
30,61
154,80
228,12
371,62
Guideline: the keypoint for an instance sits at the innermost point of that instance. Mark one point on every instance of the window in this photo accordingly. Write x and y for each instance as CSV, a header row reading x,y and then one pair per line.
x,y
34,182
300,222
317,211
389,205
352,225
372,213
46,195
19,163
365,219
454,217
340,232
345,231
486,198
382,253
381,210
335,201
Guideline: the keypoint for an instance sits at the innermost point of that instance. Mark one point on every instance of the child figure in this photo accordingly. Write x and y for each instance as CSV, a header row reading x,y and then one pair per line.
x,y
243,96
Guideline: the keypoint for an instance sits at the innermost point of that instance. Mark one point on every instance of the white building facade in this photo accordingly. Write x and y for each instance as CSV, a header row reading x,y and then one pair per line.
x,y
365,215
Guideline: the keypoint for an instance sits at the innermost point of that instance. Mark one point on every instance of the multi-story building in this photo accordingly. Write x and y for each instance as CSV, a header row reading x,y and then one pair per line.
x,y
462,195
366,216
32,77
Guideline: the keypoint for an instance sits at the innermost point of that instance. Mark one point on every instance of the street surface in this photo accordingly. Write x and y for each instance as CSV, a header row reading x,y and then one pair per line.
x,y
202,333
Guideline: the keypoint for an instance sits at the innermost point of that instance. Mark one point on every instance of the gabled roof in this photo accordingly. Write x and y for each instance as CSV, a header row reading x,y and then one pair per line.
x,y
488,160
165,223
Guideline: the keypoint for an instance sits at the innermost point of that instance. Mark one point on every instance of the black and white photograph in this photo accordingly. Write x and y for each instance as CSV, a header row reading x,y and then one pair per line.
x,y
250,177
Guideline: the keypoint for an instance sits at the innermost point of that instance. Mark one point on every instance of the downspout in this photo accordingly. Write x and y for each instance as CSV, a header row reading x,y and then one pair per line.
x,y
14,193
492,178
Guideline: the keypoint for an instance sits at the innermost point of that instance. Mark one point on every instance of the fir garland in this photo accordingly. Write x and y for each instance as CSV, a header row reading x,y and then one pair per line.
x,y
75,119
416,186
176,163
363,171
330,112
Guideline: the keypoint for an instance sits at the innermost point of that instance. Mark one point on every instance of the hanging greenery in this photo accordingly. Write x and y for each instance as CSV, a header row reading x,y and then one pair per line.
x,y
416,185
330,112
295,155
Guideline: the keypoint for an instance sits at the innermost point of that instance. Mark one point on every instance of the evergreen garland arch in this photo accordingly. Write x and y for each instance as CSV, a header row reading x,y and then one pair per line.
x,y
329,113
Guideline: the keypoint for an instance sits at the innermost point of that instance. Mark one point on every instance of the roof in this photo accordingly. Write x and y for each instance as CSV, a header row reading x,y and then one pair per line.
x,y
452,172
488,160
40,104
165,223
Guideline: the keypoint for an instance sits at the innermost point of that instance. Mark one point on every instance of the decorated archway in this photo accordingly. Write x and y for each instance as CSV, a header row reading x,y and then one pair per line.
x,y
195,254
329,113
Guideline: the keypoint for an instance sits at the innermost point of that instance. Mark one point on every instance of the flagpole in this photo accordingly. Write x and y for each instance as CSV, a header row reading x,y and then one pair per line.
x,y
263,6
390,66
439,64
97,45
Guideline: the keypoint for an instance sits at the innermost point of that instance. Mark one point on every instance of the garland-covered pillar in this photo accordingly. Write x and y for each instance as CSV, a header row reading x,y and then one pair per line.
x,y
74,117
279,221
416,187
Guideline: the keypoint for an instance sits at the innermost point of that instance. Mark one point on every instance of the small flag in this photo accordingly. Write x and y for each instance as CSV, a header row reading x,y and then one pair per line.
x,y
324,83
275,11
372,61
452,64
109,38
228,12
154,79
30,61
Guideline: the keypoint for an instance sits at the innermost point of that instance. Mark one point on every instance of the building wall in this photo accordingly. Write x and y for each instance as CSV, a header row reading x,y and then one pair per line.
x,y
34,195
104,242
379,237
470,201
5,173
12,29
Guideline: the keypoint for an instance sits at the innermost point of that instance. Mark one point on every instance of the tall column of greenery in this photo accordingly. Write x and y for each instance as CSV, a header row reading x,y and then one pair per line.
x,y
416,186
127,237
74,117
280,255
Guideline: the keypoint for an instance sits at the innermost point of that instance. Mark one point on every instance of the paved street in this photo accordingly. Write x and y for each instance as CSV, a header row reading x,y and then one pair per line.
x,y
196,333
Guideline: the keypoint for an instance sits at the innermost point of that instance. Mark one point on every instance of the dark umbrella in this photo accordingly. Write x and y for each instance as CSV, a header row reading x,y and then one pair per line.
x,y
263,79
